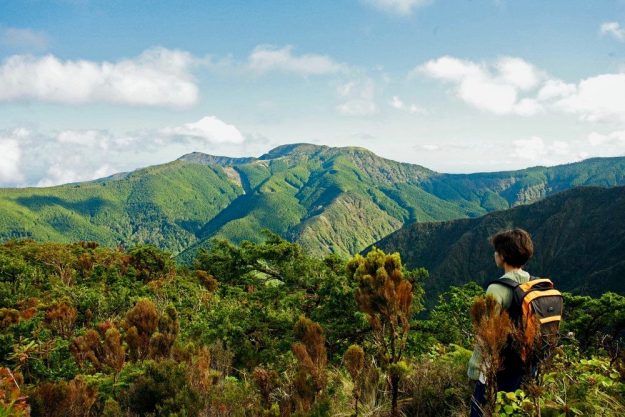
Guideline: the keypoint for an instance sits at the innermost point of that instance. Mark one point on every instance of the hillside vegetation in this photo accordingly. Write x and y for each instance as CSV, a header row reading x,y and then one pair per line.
x,y
262,329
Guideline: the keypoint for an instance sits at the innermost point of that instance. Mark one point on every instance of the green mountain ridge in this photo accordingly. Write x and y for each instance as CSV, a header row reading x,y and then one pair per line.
x,y
329,199
579,238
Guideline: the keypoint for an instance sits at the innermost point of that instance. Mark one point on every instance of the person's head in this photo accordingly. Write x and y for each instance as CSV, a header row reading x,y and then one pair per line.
x,y
513,247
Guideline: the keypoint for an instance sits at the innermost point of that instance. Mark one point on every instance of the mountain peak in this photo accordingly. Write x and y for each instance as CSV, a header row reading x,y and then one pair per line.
x,y
207,159
293,149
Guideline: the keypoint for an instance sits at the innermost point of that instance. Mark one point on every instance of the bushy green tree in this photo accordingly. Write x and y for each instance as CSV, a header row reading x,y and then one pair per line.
x,y
162,389
450,321
595,322
150,263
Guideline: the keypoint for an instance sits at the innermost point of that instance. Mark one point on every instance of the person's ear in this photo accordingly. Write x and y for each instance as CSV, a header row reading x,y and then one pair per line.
x,y
498,260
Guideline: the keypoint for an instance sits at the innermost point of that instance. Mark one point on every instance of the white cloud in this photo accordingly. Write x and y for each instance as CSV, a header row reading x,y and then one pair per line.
x,y
23,39
90,138
513,86
596,98
52,158
64,173
157,77
401,7
448,68
10,156
518,73
358,98
613,29
398,104
553,89
209,129
267,58
614,140
493,88
538,151
414,109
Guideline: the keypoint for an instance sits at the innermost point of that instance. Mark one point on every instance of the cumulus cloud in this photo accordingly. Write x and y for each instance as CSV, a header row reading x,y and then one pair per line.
x,y
268,58
63,173
10,155
518,73
209,129
514,86
23,39
400,7
555,89
493,88
596,98
157,77
398,104
358,98
613,29
614,140
538,151
52,158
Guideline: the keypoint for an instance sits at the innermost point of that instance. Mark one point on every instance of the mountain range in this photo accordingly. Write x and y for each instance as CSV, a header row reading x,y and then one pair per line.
x,y
328,199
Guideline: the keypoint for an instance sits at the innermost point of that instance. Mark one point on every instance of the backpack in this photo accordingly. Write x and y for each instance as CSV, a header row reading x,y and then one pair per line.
x,y
536,309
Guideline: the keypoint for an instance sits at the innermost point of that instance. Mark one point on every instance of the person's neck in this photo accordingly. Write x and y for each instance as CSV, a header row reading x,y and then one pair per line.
x,y
508,268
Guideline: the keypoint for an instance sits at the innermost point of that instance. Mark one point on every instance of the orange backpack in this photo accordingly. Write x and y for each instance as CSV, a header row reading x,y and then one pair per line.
x,y
537,309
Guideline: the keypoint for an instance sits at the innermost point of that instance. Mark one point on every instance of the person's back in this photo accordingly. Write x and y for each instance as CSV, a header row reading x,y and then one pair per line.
x,y
513,248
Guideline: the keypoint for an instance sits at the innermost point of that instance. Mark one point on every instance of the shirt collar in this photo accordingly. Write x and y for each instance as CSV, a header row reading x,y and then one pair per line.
x,y
513,274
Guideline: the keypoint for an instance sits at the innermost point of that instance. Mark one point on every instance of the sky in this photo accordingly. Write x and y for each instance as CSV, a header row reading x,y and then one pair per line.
x,y
90,88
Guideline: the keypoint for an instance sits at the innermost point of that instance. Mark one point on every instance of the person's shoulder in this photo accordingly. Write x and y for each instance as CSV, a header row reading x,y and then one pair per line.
x,y
497,289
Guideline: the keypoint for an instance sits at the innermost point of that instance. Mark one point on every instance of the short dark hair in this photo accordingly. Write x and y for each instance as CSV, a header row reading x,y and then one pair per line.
x,y
514,246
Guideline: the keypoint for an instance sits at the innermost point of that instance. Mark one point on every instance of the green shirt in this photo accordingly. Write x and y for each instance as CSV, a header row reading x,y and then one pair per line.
x,y
503,295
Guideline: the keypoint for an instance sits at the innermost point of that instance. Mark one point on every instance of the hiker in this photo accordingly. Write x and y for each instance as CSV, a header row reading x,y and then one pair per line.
x,y
513,248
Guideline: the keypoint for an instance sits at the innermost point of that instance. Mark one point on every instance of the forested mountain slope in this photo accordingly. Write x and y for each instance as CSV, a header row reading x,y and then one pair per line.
x,y
579,238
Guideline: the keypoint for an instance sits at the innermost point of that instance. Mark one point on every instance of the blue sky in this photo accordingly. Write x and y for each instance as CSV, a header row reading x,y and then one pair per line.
x,y
88,88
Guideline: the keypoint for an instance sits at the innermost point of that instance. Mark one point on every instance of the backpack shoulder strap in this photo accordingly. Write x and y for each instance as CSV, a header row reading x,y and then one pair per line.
x,y
517,296
506,282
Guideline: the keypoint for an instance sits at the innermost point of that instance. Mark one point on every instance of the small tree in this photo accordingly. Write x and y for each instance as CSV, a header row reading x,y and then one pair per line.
x,y
60,258
141,322
354,361
207,280
266,381
61,317
493,329
103,348
162,341
386,297
149,334
310,351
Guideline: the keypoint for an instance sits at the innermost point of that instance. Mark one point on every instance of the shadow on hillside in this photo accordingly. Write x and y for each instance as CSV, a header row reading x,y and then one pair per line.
x,y
89,207
238,208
